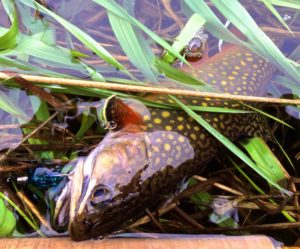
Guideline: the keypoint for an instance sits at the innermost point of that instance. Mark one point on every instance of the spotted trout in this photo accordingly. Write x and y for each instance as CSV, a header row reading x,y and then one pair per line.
x,y
149,152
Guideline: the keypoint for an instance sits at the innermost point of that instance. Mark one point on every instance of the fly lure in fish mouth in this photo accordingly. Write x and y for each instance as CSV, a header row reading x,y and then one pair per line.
x,y
107,121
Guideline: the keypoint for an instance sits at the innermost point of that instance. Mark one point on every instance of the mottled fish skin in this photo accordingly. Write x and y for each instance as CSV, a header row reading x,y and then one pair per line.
x,y
137,167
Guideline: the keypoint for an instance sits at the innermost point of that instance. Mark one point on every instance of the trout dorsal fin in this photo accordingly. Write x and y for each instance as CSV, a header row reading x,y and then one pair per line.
x,y
116,115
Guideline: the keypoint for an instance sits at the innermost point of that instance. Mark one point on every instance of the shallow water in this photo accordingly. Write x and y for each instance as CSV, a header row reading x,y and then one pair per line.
x,y
41,167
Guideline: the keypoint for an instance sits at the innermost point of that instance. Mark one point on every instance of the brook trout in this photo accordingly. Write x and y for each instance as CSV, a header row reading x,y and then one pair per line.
x,y
148,152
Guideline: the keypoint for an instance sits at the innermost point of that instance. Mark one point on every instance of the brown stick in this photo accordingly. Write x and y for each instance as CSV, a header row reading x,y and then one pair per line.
x,y
180,242
149,89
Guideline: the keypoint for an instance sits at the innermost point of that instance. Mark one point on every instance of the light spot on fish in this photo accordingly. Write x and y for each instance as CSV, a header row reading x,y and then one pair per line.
x,y
196,128
170,136
157,121
165,114
243,63
180,127
167,146
168,127
224,82
181,139
158,140
146,118
193,136
178,148
169,161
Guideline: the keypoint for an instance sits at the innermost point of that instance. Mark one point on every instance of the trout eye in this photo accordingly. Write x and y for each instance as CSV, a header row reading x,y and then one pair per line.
x,y
101,195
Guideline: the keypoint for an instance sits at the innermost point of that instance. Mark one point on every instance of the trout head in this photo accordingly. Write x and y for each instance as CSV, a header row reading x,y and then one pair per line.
x,y
126,173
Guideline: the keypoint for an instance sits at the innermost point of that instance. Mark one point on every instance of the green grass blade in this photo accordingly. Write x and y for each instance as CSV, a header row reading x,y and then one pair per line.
x,y
264,158
132,45
113,7
8,105
87,40
25,217
258,42
262,44
217,109
268,4
8,39
213,24
268,115
173,73
259,190
7,219
294,4
87,121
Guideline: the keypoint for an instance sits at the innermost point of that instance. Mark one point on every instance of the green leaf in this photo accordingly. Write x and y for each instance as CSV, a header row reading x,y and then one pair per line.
x,y
295,4
268,4
8,39
264,158
8,105
113,7
259,190
175,74
268,115
87,40
7,220
217,109
25,217
87,121
133,45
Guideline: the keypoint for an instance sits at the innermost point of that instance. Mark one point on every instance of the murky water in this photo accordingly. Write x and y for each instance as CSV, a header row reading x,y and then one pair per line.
x,y
80,162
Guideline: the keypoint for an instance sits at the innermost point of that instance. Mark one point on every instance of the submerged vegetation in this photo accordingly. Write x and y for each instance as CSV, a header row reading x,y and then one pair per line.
x,y
50,124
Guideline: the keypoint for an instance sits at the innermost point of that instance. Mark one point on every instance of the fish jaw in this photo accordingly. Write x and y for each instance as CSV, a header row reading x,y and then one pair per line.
x,y
98,171
130,168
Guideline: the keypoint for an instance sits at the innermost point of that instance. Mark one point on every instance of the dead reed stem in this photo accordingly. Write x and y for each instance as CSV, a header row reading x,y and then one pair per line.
x,y
148,89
